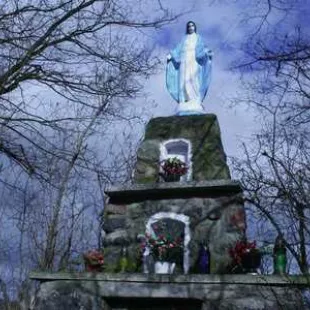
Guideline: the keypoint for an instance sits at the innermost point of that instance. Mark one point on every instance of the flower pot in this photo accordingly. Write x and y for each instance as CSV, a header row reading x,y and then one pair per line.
x,y
164,267
251,261
172,178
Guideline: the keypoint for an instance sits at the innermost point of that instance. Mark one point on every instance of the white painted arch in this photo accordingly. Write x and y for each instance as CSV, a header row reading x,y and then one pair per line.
x,y
187,236
180,148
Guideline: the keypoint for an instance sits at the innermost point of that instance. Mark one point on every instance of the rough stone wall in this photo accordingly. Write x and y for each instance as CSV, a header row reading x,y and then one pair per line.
x,y
123,223
216,215
208,157
218,220
129,293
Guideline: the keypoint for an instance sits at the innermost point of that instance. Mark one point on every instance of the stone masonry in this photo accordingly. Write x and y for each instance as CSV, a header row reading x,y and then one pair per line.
x,y
206,204
210,199
164,292
208,156
215,209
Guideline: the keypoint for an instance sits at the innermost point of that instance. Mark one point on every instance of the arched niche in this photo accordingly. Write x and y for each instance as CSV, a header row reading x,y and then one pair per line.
x,y
179,148
185,220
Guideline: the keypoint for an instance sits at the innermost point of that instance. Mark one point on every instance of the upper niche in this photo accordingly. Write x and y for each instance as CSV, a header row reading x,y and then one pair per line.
x,y
195,139
181,149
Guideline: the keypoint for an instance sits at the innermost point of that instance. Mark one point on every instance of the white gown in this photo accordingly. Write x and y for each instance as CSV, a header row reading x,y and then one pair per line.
x,y
189,77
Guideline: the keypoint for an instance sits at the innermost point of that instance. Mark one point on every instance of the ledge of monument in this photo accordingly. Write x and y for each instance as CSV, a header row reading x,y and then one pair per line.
x,y
262,280
171,190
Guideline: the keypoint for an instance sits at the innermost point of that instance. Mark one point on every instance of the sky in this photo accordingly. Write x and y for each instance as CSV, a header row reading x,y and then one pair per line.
x,y
225,27
220,26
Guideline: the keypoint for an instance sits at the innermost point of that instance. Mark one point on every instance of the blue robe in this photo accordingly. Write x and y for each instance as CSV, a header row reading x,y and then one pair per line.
x,y
173,72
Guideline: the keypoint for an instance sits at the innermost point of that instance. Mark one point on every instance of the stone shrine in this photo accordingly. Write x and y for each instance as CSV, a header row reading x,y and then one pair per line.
x,y
181,216
205,200
205,205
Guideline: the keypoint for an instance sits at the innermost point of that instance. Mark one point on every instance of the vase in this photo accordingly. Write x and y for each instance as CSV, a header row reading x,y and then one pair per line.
x,y
251,261
172,177
164,267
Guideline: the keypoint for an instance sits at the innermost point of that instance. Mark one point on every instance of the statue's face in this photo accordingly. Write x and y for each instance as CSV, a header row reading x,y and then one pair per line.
x,y
190,28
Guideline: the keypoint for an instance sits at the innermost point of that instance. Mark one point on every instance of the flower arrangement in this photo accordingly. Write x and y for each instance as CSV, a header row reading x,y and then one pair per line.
x,y
240,249
245,256
173,167
93,260
165,248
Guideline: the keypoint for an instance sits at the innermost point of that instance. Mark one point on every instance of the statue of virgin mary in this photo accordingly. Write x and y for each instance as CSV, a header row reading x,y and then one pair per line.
x,y
188,72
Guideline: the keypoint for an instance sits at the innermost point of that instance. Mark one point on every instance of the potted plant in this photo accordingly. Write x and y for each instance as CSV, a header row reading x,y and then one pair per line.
x,y
246,258
173,169
166,251
93,260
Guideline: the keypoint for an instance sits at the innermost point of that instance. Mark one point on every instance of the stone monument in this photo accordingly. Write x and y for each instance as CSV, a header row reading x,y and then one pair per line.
x,y
200,204
205,200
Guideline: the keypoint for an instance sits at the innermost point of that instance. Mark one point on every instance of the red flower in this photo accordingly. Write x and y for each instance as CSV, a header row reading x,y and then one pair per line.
x,y
174,166
94,258
241,247
165,247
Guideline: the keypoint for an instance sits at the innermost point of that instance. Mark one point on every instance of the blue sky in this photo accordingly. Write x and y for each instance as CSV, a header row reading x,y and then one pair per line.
x,y
225,27
220,27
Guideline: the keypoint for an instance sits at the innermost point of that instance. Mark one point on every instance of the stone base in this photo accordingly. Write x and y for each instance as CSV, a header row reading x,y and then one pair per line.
x,y
136,291
192,107
208,159
214,208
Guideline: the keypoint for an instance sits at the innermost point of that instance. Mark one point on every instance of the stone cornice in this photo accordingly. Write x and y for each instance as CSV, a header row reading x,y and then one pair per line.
x,y
225,279
169,190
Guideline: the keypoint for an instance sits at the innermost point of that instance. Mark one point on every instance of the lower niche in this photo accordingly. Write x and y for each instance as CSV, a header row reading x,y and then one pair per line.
x,y
152,304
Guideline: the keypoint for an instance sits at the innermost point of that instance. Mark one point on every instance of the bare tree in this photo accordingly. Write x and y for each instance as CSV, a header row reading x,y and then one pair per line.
x,y
276,177
278,51
82,54
68,68
275,171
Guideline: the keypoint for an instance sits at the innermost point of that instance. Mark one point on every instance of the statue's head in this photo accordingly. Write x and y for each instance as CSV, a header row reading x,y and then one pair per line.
x,y
191,27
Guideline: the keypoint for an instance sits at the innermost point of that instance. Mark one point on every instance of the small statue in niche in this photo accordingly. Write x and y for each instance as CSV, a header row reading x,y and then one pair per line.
x,y
188,72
